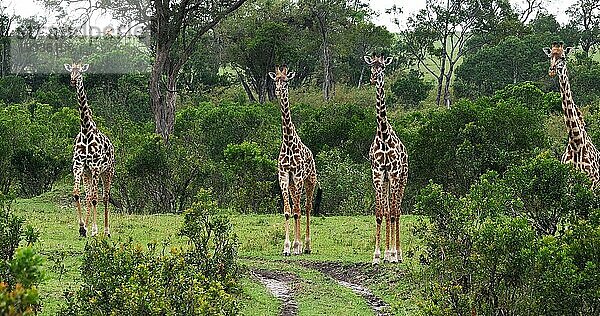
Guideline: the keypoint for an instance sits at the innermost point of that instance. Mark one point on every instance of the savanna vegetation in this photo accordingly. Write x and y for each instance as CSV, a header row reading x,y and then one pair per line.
x,y
493,223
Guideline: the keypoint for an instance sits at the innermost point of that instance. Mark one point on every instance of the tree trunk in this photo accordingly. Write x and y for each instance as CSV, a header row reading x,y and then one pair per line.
x,y
362,73
245,85
328,84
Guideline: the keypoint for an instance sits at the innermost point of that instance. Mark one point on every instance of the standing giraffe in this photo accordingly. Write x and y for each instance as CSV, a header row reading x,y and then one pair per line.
x,y
296,167
93,157
580,150
389,163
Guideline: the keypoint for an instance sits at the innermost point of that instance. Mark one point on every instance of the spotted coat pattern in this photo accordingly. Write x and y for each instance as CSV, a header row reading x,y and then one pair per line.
x,y
580,150
296,167
389,165
93,158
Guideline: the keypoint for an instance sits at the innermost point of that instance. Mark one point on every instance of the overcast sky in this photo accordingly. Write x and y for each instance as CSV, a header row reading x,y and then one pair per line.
x,y
28,8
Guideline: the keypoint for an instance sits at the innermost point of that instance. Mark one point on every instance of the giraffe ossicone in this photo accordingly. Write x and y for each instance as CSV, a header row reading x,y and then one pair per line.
x,y
580,150
296,169
93,158
389,166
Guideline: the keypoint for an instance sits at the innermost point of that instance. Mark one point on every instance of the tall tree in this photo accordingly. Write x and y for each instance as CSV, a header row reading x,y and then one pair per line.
x,y
176,27
330,17
585,17
440,35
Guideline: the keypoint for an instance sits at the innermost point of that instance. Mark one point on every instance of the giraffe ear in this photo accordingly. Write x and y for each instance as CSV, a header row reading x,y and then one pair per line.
x,y
272,75
388,60
547,51
568,50
368,59
291,75
84,67
68,67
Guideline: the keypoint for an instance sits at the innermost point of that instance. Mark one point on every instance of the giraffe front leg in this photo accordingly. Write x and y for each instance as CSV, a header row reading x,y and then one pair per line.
x,y
388,221
399,196
378,216
87,182
296,190
94,202
77,173
284,185
310,189
394,221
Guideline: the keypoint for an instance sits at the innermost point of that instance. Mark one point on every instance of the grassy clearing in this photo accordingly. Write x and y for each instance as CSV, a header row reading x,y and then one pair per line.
x,y
344,239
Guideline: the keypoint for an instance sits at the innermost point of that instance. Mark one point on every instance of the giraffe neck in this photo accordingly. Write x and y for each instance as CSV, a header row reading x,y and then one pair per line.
x,y
86,122
287,126
382,123
572,115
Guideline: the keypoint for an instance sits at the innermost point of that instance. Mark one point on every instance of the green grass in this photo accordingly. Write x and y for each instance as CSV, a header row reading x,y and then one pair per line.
x,y
344,238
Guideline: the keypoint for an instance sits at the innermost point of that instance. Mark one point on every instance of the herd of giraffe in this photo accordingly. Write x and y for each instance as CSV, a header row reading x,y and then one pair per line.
x,y
93,158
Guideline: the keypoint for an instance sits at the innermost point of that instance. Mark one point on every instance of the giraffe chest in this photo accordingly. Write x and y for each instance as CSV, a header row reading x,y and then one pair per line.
x,y
93,151
294,156
388,155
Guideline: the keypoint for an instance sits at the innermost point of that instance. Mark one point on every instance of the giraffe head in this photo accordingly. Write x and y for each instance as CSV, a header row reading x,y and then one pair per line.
x,y
281,77
377,64
558,55
76,71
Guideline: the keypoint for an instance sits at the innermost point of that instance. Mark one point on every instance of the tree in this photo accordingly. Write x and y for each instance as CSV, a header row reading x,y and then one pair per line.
x,y
440,35
176,28
261,36
330,17
585,17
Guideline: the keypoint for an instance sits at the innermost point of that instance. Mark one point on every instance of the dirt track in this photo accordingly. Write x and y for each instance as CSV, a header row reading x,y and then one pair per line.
x,y
355,276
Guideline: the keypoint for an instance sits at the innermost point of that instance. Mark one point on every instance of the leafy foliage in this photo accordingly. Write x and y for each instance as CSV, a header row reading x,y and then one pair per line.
x,y
411,88
125,278
488,255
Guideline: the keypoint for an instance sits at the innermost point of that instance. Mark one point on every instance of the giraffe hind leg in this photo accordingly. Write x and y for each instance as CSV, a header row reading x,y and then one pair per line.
x,y
106,181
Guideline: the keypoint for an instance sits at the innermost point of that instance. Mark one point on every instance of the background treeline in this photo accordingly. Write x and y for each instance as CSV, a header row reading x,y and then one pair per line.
x,y
507,228
227,125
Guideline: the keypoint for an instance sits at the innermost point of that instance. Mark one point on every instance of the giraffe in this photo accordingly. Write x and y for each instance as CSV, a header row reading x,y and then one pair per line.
x,y
296,168
580,150
389,165
93,158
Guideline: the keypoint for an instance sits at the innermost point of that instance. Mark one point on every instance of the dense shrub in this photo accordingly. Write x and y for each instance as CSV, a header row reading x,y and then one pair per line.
x,y
488,252
411,89
251,177
124,278
20,268
347,187
454,147
57,93
13,89
346,126
35,146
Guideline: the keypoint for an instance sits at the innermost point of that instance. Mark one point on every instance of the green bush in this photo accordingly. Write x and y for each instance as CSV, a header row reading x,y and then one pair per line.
x,y
251,177
13,89
20,268
454,147
347,187
523,244
56,93
123,278
36,149
411,88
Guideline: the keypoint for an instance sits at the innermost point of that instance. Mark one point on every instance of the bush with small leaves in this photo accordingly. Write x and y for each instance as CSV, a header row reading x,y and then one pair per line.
x,y
122,278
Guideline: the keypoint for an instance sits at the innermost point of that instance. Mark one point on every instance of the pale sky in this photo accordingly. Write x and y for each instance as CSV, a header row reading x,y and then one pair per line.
x,y
27,8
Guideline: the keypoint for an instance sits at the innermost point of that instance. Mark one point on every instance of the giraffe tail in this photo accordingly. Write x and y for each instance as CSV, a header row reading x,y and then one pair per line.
x,y
317,205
